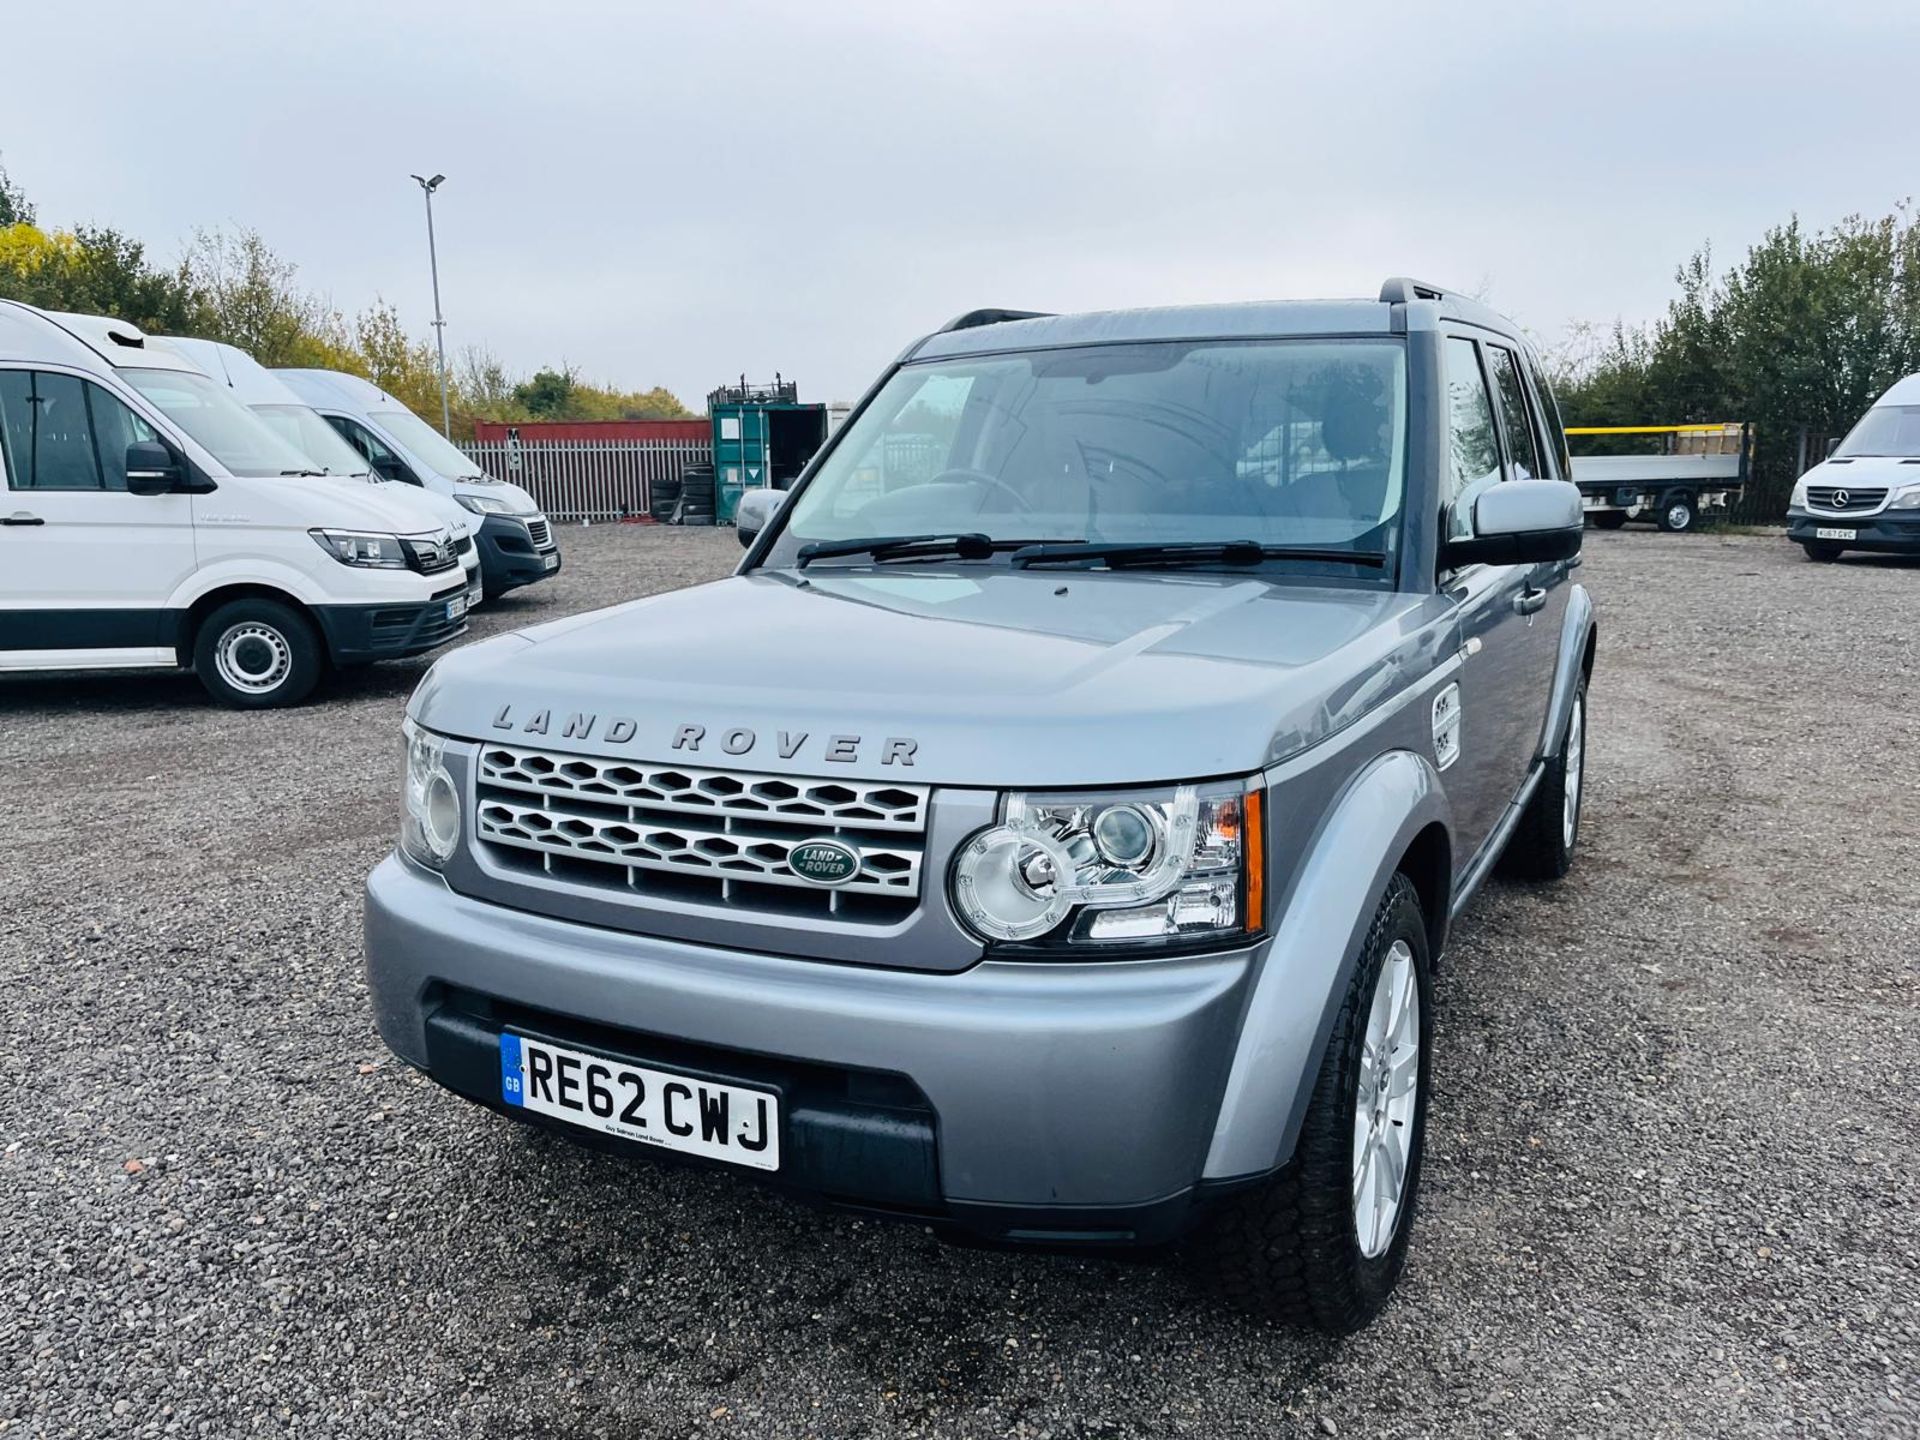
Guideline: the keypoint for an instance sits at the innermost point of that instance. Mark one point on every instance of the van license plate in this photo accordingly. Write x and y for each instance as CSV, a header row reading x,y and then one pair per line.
x,y
1822,533
654,1107
457,607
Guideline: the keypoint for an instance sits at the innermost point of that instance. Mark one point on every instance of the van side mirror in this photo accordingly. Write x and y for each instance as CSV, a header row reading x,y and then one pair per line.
x,y
388,467
756,509
1833,443
152,469
1521,522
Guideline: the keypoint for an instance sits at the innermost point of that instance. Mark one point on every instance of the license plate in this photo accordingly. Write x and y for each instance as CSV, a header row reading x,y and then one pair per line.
x,y
456,607
1823,533
635,1102
552,562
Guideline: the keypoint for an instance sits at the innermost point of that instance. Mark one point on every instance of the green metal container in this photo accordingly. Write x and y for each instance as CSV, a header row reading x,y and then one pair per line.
x,y
762,435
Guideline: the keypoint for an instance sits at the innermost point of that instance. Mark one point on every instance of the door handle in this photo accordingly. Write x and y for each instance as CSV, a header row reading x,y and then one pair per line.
x,y
21,517
1529,600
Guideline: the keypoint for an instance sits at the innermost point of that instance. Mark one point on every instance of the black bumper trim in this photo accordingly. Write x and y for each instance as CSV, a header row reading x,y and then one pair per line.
x,y
1888,532
508,559
358,633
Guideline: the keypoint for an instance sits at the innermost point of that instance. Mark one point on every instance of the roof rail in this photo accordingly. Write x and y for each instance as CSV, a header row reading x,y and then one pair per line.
x,y
974,319
1403,290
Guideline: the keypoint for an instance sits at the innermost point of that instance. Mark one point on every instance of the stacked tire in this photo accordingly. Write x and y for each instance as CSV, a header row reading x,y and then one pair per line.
x,y
694,504
662,496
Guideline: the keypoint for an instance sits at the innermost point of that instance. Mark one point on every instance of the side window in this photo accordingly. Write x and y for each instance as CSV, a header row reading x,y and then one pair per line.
x,y
1474,450
16,427
115,427
1549,408
1516,416
386,464
50,438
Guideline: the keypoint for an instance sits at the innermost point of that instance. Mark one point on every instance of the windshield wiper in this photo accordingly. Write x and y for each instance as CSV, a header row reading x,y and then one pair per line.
x,y
303,474
966,545
1188,552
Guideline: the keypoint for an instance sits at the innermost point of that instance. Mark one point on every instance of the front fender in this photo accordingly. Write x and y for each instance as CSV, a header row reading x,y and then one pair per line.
x,y
1322,922
1577,630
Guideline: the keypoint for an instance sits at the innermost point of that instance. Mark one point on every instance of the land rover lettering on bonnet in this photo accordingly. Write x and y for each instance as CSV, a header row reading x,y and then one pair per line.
x,y
1047,834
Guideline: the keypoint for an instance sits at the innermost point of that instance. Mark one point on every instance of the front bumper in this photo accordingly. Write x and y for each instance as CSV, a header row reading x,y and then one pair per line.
x,y
1888,532
1024,1102
358,633
509,558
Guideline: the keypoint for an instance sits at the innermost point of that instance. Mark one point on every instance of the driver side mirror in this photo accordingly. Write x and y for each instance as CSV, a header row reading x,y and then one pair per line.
x,y
1521,522
388,467
153,469
756,509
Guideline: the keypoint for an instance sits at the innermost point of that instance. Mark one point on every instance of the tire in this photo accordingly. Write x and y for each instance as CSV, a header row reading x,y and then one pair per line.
x,y
258,655
1609,519
1678,512
1291,1251
695,503
1826,553
1541,846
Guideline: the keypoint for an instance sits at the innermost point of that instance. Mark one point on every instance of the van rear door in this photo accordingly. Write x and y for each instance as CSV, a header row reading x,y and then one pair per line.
x,y
89,566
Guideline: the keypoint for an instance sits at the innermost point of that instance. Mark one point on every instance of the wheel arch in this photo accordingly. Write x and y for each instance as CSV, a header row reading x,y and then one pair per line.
x,y
1573,667
1393,813
187,629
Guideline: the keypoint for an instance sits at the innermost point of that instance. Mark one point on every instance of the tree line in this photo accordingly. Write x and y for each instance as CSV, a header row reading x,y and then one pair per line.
x,y
1798,338
232,286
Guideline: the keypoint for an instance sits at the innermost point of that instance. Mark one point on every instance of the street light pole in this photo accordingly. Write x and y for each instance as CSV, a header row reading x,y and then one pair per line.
x,y
439,323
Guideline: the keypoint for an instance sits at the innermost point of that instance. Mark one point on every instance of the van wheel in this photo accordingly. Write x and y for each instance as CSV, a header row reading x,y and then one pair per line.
x,y
1324,1242
1677,513
1541,847
258,654
1818,551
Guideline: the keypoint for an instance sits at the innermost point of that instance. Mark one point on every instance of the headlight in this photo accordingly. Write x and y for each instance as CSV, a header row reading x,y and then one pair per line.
x,y
351,547
430,823
1907,499
1798,500
1175,863
485,504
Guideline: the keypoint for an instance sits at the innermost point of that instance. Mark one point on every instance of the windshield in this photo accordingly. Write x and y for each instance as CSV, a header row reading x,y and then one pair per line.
x,y
228,430
424,441
1292,443
303,429
1884,430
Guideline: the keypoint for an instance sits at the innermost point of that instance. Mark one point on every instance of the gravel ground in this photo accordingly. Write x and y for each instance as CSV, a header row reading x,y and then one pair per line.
x,y
1671,1185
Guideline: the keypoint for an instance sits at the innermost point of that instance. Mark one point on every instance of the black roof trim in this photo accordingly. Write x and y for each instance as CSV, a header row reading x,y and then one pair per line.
x,y
974,319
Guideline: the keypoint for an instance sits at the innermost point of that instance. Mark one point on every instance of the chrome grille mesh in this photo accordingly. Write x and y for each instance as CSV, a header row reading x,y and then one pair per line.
x,y
645,827
1858,498
540,532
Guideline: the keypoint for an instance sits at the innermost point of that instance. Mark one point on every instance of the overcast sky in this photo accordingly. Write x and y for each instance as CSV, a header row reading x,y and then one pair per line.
x,y
677,193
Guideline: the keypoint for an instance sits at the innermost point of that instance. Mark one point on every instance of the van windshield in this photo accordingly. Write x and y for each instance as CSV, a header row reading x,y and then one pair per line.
x,y
226,429
1884,430
424,441
303,429
1285,443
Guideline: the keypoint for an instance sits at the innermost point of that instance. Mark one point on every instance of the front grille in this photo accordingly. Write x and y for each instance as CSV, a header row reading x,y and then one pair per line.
x,y
540,532
712,836
463,545
429,557
1857,501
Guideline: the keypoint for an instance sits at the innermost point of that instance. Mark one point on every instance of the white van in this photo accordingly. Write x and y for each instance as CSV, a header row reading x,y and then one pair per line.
x,y
148,519
516,540
1866,494
334,460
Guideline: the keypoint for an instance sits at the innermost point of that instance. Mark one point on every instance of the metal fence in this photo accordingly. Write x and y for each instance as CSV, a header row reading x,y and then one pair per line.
x,y
589,479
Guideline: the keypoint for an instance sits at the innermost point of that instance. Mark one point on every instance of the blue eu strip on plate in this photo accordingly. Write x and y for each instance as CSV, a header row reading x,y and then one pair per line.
x,y
510,1070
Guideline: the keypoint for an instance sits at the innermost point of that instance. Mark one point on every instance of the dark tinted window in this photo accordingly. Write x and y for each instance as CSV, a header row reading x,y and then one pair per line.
x,y
1474,452
1523,446
49,435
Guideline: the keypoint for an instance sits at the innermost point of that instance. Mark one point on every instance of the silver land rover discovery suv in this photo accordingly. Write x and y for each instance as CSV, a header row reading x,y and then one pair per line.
x,y
1046,835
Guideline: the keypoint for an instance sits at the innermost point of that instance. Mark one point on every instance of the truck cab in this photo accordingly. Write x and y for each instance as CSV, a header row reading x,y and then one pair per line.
x,y
1106,731
149,520
517,545
1866,494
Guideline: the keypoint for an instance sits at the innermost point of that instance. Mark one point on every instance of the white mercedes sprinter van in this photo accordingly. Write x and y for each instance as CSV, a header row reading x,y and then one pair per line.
x,y
148,519
516,540
334,460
